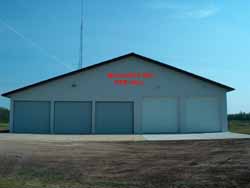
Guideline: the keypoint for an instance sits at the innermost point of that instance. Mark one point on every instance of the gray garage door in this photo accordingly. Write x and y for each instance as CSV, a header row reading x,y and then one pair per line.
x,y
114,118
73,117
31,117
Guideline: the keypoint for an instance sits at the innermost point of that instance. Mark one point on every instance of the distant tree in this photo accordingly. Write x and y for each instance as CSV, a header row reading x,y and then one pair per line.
x,y
239,116
4,115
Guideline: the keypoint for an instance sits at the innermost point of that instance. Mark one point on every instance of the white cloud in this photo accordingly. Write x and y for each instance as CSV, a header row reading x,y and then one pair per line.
x,y
170,5
184,10
202,13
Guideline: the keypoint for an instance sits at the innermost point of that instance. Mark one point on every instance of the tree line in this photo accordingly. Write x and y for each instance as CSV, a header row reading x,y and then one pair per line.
x,y
4,115
239,116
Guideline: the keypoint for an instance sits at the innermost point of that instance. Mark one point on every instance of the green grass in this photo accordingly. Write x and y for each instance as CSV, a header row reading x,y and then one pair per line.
x,y
19,182
4,126
38,182
239,126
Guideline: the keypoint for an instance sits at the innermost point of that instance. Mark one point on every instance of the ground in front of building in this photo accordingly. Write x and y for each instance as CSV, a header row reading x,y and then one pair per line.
x,y
73,164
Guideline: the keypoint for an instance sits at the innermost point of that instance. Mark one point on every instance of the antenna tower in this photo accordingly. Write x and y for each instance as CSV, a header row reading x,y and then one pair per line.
x,y
80,65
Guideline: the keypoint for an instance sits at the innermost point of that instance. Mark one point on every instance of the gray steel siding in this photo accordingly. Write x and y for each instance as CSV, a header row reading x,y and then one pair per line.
x,y
114,118
90,87
72,117
31,117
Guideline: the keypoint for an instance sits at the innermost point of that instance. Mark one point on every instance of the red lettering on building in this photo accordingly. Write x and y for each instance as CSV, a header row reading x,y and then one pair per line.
x,y
130,78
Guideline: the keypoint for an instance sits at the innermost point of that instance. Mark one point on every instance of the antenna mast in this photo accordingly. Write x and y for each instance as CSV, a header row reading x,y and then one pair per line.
x,y
81,39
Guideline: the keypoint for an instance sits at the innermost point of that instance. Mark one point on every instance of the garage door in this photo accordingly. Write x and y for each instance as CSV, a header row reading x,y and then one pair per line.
x,y
202,115
31,117
160,115
114,118
73,117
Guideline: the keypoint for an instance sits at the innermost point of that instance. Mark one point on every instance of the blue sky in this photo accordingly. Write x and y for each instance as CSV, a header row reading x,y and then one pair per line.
x,y
40,39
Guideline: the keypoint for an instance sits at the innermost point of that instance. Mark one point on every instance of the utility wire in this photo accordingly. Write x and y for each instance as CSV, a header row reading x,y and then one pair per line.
x,y
34,44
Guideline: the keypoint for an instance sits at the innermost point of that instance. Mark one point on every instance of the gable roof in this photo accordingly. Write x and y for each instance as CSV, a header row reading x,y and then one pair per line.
x,y
119,58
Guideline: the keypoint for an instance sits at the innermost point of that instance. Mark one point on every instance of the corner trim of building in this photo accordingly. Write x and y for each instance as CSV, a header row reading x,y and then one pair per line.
x,y
11,125
224,114
179,114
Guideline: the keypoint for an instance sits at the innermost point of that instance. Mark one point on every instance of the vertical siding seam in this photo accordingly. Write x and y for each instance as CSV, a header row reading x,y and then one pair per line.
x,y
133,117
139,116
183,114
93,117
179,114
52,116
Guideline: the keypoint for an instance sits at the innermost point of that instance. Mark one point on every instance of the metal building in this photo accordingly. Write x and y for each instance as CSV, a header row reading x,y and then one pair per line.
x,y
131,94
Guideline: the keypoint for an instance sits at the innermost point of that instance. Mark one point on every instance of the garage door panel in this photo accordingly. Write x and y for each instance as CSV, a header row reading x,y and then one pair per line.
x,y
31,117
202,115
114,118
160,115
73,117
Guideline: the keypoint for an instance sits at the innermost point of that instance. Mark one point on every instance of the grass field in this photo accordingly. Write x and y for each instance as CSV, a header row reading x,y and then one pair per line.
x,y
239,126
4,126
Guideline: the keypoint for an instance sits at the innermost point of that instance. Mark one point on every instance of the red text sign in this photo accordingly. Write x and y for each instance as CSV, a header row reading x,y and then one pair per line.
x,y
120,78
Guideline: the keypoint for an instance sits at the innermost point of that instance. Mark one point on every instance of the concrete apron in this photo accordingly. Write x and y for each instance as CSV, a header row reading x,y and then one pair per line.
x,y
197,136
70,138
120,138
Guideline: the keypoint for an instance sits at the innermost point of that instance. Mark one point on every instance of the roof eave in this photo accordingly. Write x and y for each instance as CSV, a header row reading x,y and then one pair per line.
x,y
7,94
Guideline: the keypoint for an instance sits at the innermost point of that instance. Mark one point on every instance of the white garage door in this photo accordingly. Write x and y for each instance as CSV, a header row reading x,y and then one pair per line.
x,y
160,115
202,115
